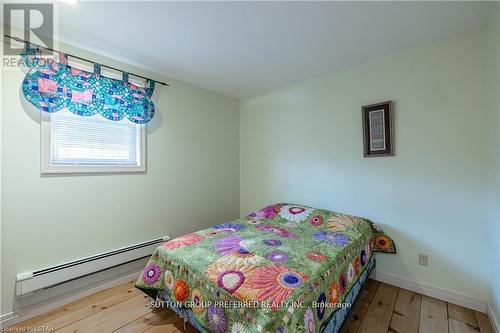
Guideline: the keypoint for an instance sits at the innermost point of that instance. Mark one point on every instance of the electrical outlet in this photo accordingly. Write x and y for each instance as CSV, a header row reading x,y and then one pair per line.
x,y
423,260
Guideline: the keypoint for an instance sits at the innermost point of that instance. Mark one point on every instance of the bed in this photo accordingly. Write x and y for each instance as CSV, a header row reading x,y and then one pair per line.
x,y
284,268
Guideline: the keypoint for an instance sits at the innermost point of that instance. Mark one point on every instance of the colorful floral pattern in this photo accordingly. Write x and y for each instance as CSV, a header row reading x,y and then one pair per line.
x,y
278,231
230,278
362,257
228,227
309,321
320,310
169,279
334,238
334,293
256,260
181,290
268,212
341,222
278,256
185,240
342,283
276,282
217,318
316,256
295,213
316,220
229,244
356,265
240,257
238,328
212,233
196,298
350,273
151,273
272,242
383,243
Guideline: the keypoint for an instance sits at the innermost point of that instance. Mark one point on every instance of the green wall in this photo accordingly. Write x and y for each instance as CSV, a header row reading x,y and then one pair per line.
x,y
303,144
192,181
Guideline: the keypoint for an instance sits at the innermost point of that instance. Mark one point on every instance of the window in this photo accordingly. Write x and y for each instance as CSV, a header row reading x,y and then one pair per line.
x,y
78,144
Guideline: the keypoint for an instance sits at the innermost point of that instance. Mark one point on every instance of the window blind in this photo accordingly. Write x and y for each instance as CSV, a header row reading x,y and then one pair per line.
x,y
77,140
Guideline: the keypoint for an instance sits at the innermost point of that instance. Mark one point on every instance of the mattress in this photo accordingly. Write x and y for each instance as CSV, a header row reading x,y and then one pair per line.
x,y
284,268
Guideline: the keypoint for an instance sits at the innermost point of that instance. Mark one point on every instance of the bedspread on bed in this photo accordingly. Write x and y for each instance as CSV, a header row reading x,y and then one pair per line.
x,y
285,268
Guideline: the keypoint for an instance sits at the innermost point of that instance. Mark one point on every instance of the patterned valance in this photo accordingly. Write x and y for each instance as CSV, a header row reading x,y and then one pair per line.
x,y
54,85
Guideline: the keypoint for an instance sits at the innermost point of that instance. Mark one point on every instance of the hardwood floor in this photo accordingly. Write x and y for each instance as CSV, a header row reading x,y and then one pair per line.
x,y
380,308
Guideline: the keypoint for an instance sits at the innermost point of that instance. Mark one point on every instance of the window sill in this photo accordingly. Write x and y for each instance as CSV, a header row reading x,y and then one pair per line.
x,y
91,169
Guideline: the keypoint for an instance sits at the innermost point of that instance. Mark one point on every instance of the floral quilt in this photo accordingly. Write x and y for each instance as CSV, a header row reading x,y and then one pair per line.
x,y
284,268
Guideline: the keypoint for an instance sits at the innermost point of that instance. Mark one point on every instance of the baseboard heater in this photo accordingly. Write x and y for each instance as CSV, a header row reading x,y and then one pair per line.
x,y
28,282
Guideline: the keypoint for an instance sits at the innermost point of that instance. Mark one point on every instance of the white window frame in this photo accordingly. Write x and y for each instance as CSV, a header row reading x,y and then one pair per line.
x,y
47,168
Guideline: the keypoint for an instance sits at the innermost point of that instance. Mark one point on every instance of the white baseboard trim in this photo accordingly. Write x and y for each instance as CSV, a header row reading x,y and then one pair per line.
x,y
431,291
495,321
21,315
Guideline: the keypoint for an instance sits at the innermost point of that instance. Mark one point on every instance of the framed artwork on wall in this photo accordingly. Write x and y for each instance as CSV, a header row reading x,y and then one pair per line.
x,y
378,129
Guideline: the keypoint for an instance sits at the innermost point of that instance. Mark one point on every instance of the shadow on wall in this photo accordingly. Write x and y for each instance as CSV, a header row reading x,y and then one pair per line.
x,y
438,264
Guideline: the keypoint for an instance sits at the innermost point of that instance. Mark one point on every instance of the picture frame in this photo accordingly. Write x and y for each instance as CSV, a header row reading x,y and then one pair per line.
x,y
378,128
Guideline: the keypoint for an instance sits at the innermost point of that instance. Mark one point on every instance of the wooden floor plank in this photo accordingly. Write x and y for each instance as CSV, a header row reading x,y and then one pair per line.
x,y
406,316
170,325
457,326
484,323
112,318
379,313
380,308
433,316
146,322
75,306
71,317
460,313
353,321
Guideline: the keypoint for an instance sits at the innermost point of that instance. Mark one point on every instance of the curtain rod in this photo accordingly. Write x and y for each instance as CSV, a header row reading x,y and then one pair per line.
x,y
84,59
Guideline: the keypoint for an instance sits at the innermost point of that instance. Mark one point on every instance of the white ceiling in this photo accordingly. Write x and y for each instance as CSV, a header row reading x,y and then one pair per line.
x,y
241,49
